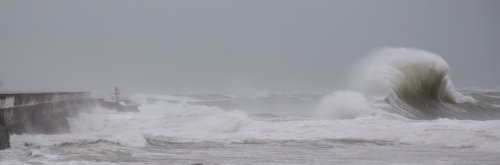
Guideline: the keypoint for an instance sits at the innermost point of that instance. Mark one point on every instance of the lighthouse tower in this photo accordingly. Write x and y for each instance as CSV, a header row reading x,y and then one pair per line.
x,y
117,93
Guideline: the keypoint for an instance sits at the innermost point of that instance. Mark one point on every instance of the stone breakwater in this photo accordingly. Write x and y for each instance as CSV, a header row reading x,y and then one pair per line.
x,y
39,112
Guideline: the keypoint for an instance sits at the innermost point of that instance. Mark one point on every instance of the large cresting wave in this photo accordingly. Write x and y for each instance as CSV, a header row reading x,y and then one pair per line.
x,y
416,84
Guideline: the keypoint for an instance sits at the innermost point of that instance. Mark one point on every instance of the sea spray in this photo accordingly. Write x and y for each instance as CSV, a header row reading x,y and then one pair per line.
x,y
348,123
344,105
408,73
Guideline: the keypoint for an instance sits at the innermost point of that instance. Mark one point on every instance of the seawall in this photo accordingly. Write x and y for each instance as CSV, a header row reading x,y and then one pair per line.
x,y
39,112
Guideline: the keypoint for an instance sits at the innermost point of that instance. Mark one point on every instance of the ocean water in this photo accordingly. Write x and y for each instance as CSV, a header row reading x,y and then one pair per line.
x,y
401,109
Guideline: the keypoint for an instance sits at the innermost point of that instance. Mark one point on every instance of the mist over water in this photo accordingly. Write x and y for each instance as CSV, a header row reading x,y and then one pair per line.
x,y
259,81
402,108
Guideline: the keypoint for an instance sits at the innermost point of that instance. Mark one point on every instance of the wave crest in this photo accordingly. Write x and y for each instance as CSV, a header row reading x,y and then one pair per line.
x,y
418,83
413,81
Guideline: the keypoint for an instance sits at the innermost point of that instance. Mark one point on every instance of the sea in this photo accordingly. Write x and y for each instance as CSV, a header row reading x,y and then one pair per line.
x,y
401,108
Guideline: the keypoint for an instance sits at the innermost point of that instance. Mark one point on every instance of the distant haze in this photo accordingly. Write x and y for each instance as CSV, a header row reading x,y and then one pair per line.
x,y
182,46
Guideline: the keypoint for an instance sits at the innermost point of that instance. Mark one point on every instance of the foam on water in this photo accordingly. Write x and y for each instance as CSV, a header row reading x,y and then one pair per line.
x,y
345,105
381,111
183,123
359,121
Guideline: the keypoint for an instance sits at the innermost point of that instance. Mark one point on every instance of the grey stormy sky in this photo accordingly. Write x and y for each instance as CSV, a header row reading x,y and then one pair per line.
x,y
165,46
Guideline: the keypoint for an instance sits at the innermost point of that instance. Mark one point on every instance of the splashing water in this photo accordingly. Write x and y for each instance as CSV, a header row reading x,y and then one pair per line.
x,y
402,109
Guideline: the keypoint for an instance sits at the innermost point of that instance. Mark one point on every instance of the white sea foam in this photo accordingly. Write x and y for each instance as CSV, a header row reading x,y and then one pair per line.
x,y
195,123
359,116
345,105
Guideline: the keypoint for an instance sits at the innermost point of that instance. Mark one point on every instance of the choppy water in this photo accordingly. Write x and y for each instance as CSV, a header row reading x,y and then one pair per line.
x,y
423,119
183,133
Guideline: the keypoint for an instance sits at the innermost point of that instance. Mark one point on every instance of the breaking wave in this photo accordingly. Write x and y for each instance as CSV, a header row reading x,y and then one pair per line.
x,y
168,124
399,96
416,84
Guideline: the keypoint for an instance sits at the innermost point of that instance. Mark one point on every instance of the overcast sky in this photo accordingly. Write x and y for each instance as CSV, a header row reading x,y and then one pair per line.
x,y
175,46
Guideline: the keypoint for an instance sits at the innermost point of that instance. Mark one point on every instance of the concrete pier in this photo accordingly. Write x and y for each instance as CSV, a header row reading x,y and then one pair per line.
x,y
38,112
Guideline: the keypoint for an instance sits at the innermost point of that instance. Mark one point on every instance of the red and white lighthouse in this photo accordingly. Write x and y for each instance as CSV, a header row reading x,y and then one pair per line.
x,y
117,93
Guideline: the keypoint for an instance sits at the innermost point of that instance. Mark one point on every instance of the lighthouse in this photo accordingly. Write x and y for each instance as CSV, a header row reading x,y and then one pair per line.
x,y
120,103
117,93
